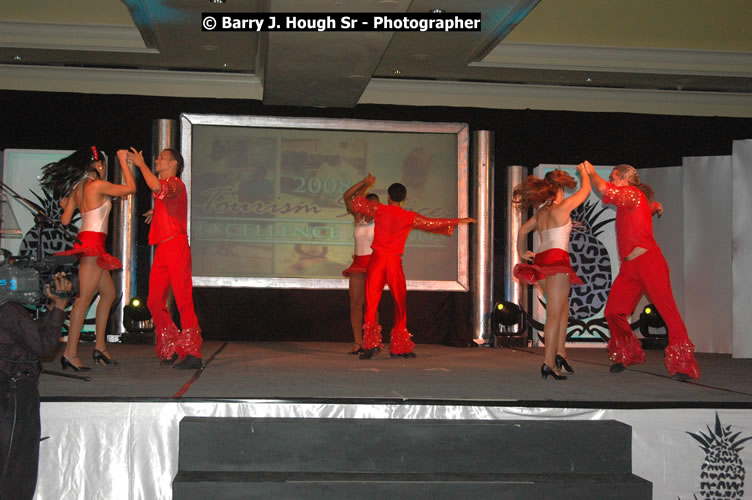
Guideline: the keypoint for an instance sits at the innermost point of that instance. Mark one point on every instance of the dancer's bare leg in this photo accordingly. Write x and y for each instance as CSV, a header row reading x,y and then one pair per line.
x,y
106,290
557,291
561,346
357,300
89,274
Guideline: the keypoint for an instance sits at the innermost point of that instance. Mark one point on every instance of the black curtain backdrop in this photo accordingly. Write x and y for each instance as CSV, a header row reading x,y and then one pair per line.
x,y
50,120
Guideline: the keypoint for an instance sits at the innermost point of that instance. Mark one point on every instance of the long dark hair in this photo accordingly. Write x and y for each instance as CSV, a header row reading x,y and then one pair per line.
x,y
62,176
535,191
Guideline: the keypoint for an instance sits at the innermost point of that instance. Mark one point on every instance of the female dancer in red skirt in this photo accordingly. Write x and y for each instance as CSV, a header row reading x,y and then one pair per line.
x,y
551,269
356,273
80,180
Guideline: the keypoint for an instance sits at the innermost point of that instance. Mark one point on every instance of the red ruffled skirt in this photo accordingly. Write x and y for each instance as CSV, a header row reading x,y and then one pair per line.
x,y
92,245
548,263
359,265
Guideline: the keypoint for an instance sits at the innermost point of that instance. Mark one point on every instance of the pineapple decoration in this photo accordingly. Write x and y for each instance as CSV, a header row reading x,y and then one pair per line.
x,y
722,472
53,239
591,262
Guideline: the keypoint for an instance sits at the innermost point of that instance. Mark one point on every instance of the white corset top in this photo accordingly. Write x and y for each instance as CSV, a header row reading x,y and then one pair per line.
x,y
97,219
363,234
555,237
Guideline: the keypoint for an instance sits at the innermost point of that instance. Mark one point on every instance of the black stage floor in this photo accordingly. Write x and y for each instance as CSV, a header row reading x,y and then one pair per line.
x,y
310,371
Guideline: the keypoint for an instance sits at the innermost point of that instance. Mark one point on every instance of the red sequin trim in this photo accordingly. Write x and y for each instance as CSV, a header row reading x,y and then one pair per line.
x,y
627,351
371,336
189,342
680,358
400,342
165,340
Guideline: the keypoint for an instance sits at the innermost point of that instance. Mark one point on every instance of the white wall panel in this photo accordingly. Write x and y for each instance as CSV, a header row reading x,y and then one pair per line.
x,y
741,259
707,185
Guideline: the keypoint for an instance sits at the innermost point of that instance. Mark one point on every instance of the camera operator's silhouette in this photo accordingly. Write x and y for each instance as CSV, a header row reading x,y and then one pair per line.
x,y
24,340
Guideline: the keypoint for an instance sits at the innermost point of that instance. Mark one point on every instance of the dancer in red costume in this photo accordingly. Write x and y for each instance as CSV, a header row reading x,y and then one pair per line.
x,y
393,225
356,273
551,268
172,261
80,180
643,269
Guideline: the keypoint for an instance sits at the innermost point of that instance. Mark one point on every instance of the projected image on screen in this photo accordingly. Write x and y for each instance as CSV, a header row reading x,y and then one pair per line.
x,y
266,202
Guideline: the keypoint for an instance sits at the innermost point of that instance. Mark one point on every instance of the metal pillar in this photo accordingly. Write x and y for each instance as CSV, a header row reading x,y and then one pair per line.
x,y
163,135
482,288
124,239
514,291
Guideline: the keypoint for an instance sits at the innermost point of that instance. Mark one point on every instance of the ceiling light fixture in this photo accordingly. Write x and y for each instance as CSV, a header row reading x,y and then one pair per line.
x,y
396,72
217,1
437,11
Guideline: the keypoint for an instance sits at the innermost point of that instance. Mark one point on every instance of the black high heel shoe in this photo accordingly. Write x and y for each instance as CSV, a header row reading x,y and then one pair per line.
x,y
369,353
547,370
65,363
100,358
359,350
562,365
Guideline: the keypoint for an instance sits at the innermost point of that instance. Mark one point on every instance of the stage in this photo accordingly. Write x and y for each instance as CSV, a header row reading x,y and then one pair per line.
x,y
118,436
306,371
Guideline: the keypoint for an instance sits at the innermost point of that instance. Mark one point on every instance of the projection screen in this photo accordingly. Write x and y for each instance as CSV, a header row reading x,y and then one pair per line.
x,y
266,206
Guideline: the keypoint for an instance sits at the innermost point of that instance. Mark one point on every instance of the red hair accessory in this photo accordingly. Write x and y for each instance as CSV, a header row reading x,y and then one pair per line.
x,y
94,154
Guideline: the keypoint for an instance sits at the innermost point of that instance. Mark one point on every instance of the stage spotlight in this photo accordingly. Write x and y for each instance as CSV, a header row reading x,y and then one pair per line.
x,y
137,322
507,316
507,313
651,318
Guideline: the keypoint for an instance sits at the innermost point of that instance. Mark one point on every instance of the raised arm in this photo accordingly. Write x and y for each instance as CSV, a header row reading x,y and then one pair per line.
x,y
357,189
525,229
598,183
118,190
581,194
137,157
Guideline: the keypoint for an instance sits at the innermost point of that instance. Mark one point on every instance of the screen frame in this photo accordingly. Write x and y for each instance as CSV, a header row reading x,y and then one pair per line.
x,y
460,130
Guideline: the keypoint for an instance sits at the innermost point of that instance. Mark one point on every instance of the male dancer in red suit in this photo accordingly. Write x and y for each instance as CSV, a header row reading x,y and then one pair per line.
x,y
393,225
643,269
172,261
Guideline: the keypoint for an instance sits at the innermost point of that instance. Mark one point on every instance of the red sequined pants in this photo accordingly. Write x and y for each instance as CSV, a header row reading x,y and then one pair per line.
x,y
172,269
385,269
647,273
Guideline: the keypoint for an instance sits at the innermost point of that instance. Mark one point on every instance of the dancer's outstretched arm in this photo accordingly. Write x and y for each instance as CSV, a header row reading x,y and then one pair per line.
x,y
599,184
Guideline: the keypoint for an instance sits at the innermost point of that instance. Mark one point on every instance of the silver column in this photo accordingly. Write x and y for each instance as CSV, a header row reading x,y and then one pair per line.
x,y
482,276
163,135
124,237
513,290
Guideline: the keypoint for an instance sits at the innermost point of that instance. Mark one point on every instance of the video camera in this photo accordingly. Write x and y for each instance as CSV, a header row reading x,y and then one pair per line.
x,y
23,278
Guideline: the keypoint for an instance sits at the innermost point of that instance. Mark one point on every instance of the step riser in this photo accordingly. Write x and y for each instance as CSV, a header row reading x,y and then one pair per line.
x,y
571,489
395,446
